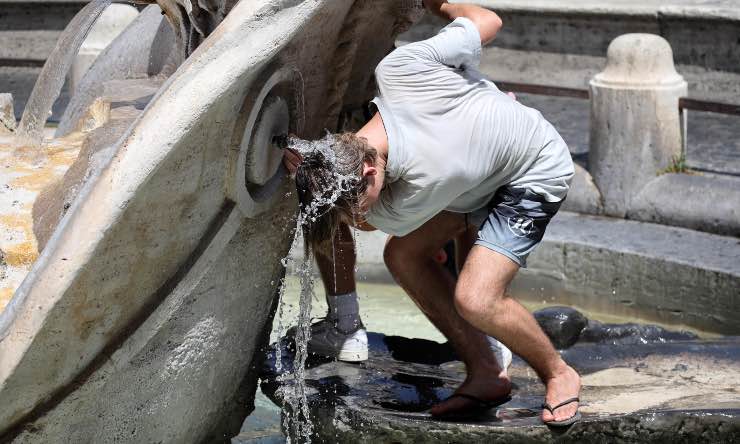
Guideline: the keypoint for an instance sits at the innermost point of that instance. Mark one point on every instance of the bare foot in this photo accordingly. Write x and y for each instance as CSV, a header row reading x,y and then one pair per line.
x,y
485,389
563,386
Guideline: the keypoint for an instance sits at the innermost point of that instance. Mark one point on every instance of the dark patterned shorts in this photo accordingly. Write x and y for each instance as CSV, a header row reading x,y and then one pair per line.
x,y
514,222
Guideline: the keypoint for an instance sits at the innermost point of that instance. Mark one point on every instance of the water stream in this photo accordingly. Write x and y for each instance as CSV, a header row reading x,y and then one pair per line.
x,y
51,80
300,424
297,421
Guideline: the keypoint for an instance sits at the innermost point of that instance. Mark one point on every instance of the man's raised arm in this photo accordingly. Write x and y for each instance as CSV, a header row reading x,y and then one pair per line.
x,y
487,21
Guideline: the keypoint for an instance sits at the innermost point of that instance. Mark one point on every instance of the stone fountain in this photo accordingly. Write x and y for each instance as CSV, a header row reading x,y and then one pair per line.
x,y
152,226
641,384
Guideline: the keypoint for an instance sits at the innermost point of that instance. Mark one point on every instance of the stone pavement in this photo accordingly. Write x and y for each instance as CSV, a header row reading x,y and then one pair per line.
x,y
713,143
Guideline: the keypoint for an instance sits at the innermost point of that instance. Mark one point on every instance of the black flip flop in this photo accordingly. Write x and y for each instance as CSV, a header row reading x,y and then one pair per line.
x,y
565,422
478,407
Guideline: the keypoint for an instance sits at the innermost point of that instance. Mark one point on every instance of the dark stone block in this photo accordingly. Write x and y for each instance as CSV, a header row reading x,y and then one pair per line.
x,y
631,333
563,325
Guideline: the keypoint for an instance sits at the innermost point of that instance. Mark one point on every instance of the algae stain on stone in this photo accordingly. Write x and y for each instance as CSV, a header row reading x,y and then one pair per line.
x,y
5,295
18,222
21,254
24,173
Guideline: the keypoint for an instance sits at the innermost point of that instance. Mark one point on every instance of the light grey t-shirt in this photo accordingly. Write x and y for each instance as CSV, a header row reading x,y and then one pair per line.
x,y
453,137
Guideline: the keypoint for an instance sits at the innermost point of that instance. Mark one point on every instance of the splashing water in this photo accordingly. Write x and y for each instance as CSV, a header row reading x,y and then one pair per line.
x,y
297,422
336,184
322,146
50,81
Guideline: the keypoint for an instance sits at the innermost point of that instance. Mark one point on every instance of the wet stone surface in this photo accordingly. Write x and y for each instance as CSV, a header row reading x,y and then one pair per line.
x,y
563,325
640,384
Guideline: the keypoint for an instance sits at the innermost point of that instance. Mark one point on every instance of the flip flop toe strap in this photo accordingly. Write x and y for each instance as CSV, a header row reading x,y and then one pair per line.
x,y
566,402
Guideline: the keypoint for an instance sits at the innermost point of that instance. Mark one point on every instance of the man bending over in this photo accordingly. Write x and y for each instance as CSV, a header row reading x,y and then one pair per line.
x,y
449,156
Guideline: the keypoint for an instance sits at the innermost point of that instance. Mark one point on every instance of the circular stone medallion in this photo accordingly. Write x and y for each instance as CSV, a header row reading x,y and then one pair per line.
x,y
256,171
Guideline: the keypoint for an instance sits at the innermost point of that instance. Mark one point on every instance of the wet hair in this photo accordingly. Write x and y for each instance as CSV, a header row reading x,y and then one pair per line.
x,y
331,187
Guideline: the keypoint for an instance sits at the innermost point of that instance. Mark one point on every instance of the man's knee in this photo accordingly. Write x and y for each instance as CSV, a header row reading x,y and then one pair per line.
x,y
472,302
395,255
401,255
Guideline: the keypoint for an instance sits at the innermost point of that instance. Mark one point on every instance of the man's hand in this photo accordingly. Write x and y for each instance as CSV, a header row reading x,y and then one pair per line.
x,y
291,160
487,21
364,226
434,5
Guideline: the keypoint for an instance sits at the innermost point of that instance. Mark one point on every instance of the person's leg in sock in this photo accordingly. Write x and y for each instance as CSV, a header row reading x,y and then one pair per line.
x,y
342,334
337,269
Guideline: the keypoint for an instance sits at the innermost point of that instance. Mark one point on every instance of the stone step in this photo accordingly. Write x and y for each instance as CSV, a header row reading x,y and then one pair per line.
x,y
634,269
576,70
30,29
666,274
701,33
569,68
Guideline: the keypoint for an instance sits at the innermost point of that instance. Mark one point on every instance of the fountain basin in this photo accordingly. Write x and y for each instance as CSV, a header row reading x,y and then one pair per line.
x,y
648,391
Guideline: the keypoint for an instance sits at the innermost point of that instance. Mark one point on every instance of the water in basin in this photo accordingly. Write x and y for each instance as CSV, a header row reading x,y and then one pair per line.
x,y
384,308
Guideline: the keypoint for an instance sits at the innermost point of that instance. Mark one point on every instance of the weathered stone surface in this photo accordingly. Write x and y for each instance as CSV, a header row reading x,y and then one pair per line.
x,y
563,325
705,202
114,19
192,21
635,128
667,274
24,172
146,48
583,196
185,374
660,392
144,311
7,115
113,112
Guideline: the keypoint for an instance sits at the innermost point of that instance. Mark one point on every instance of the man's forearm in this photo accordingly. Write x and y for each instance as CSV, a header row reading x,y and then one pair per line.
x,y
487,21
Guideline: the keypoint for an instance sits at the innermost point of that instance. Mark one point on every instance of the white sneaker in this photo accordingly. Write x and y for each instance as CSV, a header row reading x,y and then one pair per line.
x,y
328,340
503,354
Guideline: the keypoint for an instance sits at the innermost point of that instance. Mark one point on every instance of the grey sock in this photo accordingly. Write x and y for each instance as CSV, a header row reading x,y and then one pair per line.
x,y
344,310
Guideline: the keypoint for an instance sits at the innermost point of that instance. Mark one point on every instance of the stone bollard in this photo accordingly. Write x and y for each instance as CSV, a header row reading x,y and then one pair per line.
x,y
114,19
7,115
635,124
